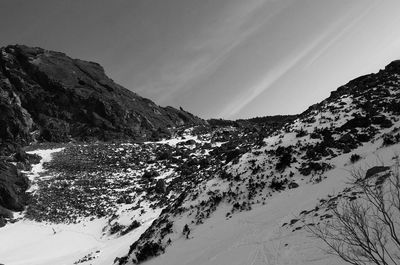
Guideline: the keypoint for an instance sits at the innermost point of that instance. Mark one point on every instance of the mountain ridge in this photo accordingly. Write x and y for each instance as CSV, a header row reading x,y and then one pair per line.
x,y
63,98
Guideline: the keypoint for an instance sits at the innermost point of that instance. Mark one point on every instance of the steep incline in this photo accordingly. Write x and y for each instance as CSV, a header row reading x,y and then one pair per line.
x,y
307,160
61,98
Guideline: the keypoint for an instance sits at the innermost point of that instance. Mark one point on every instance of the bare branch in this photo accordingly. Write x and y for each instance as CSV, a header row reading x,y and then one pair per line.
x,y
365,230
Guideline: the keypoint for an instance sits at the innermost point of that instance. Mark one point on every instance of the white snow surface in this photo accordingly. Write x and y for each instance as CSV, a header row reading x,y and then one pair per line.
x,y
32,243
27,242
257,237
37,169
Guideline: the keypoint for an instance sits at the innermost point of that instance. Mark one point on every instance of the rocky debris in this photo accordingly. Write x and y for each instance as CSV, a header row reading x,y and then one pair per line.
x,y
95,180
63,98
262,125
88,257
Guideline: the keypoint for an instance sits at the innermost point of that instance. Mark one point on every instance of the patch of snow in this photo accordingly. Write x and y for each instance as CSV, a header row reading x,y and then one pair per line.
x,y
37,169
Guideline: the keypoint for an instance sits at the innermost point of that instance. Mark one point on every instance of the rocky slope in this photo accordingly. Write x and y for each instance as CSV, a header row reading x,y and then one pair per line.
x,y
47,96
60,98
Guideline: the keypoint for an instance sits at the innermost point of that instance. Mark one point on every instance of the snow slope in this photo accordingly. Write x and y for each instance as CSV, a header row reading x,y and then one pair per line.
x,y
257,236
241,216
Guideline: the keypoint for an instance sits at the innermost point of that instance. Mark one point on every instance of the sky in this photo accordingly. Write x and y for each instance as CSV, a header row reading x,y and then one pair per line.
x,y
216,58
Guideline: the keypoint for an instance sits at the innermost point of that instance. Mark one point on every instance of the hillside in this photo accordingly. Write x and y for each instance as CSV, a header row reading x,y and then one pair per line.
x,y
360,118
51,97
245,192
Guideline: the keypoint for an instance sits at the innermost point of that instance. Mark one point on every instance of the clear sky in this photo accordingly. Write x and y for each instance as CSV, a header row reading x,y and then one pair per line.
x,y
216,58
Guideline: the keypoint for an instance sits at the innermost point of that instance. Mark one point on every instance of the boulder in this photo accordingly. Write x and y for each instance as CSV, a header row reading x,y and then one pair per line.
x,y
347,139
3,221
13,185
382,121
357,122
161,187
375,170
293,185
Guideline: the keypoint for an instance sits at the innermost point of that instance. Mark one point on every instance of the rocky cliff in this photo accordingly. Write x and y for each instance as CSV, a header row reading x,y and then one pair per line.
x,y
60,98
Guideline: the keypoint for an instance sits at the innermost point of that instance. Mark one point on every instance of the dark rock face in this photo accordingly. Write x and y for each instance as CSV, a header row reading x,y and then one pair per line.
x,y
15,121
62,98
12,187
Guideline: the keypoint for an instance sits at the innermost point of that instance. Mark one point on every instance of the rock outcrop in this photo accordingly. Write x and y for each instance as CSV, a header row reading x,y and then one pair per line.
x,y
12,187
15,121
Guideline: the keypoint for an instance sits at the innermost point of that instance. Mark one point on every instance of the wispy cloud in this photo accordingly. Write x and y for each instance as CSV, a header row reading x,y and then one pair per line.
x,y
344,24
282,68
203,55
269,79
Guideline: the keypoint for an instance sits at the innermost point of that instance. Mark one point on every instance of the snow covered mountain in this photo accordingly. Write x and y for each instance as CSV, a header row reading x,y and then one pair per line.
x,y
307,160
210,194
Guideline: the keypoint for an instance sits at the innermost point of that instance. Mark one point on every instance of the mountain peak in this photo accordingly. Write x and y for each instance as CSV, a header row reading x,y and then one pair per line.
x,y
64,98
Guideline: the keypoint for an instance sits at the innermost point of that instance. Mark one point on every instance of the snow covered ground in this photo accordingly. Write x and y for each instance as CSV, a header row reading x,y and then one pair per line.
x,y
249,237
27,242
37,169
257,236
